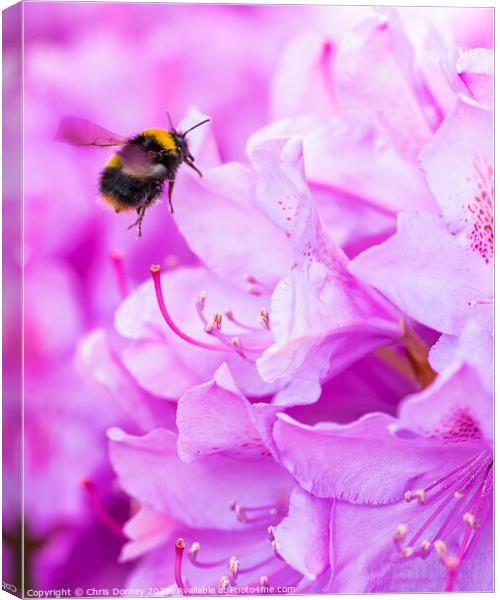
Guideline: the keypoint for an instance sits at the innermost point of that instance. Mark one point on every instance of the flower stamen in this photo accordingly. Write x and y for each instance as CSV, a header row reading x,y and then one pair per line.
x,y
233,567
155,273
218,321
256,287
270,510
202,298
400,533
470,519
264,318
230,317
180,544
470,480
224,583
193,557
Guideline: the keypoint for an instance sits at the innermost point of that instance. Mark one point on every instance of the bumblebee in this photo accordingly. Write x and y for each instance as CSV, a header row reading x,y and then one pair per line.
x,y
133,177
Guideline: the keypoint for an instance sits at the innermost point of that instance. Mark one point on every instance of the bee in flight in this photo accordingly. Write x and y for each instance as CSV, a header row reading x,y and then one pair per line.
x,y
134,176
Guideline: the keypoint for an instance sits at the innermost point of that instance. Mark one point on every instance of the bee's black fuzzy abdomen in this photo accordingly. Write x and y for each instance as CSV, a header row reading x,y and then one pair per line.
x,y
127,191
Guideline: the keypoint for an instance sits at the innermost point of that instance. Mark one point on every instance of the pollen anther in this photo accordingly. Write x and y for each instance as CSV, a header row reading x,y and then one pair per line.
x,y
408,496
224,583
234,567
264,318
254,290
241,515
441,549
202,298
195,548
407,552
180,543
470,519
420,494
400,532
218,320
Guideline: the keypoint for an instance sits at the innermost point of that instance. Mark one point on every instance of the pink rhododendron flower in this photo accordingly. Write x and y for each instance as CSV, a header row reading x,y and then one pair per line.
x,y
441,266
200,484
274,197
213,465
420,516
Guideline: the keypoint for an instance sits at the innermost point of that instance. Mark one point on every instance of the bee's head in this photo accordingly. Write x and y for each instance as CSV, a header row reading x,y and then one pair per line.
x,y
180,139
182,145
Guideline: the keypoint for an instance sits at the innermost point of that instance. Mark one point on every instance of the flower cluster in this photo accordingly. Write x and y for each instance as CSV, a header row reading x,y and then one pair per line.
x,y
302,394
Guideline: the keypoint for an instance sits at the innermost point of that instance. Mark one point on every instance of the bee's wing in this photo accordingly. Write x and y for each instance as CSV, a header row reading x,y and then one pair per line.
x,y
80,132
137,161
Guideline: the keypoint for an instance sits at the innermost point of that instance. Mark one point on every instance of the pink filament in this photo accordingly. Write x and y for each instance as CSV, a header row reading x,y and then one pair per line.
x,y
481,492
156,275
465,476
258,565
260,508
448,475
230,317
179,551
227,346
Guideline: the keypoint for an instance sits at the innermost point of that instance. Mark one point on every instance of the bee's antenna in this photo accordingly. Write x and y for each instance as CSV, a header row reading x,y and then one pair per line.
x,y
195,126
170,121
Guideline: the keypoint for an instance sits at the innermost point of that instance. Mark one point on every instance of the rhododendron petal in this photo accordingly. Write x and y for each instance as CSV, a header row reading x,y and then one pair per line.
x,y
282,192
197,493
147,529
471,73
353,158
458,165
302,537
357,160
426,272
455,406
337,454
97,363
304,80
474,345
216,417
315,319
157,368
366,560
319,306
216,213
373,84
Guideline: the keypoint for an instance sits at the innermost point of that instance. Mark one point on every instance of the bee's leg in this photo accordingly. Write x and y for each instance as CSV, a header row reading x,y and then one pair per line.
x,y
170,190
141,211
193,166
